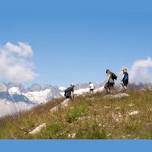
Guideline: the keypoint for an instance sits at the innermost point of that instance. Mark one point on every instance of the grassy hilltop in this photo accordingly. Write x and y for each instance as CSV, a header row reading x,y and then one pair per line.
x,y
88,117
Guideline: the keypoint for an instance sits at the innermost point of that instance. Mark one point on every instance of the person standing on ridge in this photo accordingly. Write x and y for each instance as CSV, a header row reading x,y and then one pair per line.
x,y
92,87
69,92
125,79
111,81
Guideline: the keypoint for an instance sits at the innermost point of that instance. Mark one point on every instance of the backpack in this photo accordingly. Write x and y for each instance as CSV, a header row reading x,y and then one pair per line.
x,y
68,91
67,94
114,77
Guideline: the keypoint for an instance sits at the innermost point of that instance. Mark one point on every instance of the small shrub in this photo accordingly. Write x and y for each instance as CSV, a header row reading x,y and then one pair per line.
x,y
91,134
75,112
131,127
55,127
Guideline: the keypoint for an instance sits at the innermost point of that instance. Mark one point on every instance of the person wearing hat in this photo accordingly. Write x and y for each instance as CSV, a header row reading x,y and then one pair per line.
x,y
111,81
125,79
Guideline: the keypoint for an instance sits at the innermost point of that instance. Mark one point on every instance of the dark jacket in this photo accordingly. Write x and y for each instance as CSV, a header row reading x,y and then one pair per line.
x,y
68,92
126,77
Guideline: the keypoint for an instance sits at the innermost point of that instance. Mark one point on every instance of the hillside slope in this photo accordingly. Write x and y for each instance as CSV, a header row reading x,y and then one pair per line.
x,y
88,117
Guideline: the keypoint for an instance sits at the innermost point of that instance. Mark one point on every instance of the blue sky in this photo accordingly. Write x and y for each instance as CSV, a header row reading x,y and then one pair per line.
x,y
75,41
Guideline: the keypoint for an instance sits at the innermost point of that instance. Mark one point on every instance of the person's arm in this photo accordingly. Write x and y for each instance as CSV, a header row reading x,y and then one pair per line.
x,y
109,77
123,78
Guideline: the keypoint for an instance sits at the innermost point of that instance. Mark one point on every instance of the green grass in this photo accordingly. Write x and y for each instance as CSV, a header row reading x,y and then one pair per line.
x,y
88,117
76,112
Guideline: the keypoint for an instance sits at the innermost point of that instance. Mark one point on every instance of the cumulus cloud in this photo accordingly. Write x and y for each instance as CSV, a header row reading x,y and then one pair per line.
x,y
21,49
16,62
140,71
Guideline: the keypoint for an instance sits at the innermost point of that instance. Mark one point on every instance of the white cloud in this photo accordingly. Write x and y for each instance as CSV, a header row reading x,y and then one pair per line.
x,y
140,71
16,62
21,49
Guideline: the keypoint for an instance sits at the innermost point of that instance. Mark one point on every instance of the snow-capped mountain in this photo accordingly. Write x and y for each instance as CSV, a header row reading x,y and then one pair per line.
x,y
15,98
12,100
39,97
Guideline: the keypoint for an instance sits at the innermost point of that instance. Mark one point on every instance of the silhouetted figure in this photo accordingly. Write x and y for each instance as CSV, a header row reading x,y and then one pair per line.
x,y
92,87
111,81
69,92
125,79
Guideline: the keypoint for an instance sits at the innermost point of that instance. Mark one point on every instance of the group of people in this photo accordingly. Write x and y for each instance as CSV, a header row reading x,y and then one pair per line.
x,y
109,85
112,78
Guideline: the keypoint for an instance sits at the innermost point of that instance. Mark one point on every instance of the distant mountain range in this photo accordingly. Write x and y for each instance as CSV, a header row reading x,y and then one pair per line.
x,y
16,98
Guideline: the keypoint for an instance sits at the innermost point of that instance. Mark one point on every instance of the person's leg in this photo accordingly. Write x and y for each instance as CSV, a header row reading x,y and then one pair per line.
x,y
111,87
72,96
107,87
125,85
91,90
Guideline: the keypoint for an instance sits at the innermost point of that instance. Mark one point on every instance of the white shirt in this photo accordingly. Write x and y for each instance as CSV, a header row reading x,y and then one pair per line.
x,y
91,86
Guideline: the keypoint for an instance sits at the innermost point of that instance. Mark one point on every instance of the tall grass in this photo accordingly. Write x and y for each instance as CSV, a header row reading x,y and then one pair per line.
x,y
87,117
